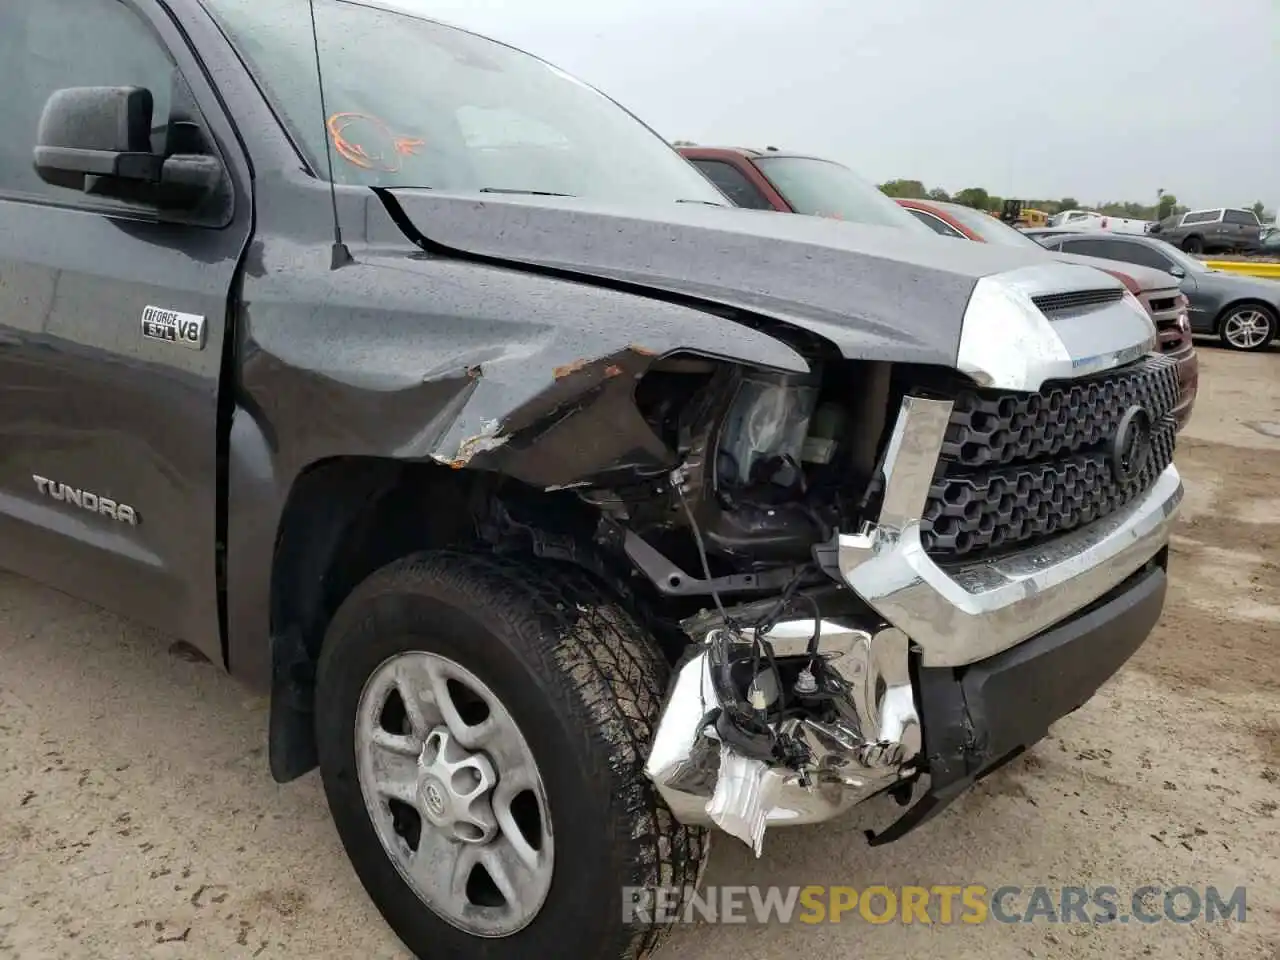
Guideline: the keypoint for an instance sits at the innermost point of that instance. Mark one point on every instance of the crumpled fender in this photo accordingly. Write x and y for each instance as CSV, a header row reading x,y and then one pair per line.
x,y
565,414
469,364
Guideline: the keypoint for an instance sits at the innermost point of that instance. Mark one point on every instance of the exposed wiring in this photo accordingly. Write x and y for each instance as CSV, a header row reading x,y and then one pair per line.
x,y
816,639
768,621
702,553
760,644
730,624
759,629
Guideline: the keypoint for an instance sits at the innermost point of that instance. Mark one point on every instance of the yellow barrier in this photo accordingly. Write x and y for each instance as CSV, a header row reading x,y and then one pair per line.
x,y
1252,268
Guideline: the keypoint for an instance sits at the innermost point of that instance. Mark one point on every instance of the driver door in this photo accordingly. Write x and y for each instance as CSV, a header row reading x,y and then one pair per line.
x,y
108,426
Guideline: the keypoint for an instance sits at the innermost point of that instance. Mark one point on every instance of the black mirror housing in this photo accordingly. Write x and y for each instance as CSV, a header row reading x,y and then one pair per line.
x,y
96,132
98,140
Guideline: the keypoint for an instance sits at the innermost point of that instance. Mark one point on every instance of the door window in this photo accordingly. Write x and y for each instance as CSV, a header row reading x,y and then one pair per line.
x,y
936,224
734,184
1140,254
47,45
1091,247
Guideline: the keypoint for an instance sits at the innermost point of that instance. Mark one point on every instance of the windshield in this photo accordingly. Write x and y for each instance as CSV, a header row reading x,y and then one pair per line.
x,y
413,103
821,188
1190,264
989,228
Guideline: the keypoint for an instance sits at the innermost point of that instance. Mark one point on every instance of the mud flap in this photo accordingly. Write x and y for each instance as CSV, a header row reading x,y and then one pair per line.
x,y
291,741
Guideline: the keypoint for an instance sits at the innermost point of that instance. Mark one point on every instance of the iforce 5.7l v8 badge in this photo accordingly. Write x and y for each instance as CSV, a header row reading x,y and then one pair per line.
x,y
184,329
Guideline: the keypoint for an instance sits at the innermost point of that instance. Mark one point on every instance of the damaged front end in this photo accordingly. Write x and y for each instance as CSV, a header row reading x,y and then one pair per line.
x,y
1009,555
860,558
795,700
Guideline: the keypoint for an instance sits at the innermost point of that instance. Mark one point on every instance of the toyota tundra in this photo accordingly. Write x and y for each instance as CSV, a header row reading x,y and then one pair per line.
x,y
568,514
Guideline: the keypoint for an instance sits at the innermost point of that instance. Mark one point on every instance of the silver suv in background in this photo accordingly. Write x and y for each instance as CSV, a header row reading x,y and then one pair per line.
x,y
1205,231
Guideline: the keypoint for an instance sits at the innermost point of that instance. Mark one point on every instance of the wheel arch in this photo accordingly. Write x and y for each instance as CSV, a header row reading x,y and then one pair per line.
x,y
344,518
348,517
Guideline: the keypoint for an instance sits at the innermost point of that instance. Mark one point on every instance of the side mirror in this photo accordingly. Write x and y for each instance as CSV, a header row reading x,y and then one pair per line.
x,y
1178,271
98,140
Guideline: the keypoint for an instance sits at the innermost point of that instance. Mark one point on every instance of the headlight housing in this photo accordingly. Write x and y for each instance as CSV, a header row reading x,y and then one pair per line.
x,y
1007,342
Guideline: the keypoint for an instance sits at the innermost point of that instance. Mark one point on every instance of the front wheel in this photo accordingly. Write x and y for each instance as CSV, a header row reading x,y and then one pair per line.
x,y
1248,327
482,727
1193,245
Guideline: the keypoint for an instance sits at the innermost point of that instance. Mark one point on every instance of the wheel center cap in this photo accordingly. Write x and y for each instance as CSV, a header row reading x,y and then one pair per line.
x,y
435,801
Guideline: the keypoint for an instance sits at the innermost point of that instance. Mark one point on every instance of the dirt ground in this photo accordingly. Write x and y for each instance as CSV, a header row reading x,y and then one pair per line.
x,y
138,819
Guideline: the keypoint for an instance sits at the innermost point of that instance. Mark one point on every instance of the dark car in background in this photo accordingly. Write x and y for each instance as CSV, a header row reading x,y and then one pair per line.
x,y
1207,231
1156,290
1270,246
1244,312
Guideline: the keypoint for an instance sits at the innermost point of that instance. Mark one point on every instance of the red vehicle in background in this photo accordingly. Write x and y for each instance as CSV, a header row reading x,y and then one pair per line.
x,y
792,183
1164,301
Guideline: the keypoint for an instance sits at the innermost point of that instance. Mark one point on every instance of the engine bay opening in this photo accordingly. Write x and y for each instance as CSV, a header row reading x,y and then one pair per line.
x,y
769,463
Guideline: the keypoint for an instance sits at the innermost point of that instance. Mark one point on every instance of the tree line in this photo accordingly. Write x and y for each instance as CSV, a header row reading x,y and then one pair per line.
x,y
1166,205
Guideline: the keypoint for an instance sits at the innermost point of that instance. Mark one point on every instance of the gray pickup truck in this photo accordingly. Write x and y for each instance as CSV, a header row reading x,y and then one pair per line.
x,y
1210,231
567,514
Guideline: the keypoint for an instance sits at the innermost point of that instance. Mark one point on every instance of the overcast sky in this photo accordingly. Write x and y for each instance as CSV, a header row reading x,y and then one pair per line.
x,y
1095,99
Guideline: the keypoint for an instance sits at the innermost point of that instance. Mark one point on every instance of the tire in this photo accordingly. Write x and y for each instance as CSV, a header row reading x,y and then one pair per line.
x,y
582,682
1193,245
1247,326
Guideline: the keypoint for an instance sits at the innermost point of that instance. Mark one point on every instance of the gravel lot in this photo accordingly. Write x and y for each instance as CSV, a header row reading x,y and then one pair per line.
x,y
138,819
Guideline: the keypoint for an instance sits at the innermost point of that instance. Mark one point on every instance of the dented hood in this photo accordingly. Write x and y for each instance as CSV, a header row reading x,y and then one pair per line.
x,y
876,293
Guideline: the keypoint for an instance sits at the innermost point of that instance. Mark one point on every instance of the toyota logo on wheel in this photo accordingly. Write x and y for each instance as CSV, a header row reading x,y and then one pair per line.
x,y
1131,445
434,798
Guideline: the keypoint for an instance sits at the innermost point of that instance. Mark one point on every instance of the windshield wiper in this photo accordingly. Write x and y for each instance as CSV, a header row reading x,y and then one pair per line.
x,y
531,193
707,203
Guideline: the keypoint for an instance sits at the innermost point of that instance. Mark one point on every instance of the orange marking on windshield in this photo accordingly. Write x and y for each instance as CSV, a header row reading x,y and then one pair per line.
x,y
358,137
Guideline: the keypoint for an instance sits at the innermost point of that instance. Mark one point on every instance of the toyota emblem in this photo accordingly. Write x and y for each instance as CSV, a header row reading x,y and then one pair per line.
x,y
435,799
1131,445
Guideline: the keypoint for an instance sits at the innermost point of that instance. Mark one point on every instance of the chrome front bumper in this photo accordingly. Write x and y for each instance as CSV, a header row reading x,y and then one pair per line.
x,y
961,614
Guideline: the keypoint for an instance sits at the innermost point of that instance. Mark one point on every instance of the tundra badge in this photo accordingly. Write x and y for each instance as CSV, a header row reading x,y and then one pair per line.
x,y
186,329
86,500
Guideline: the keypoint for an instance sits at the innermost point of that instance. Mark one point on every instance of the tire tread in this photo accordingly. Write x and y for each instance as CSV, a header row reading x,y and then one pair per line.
x,y
612,670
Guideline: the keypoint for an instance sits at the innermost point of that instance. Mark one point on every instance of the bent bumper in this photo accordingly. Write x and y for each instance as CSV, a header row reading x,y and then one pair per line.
x,y
976,715
964,613
977,718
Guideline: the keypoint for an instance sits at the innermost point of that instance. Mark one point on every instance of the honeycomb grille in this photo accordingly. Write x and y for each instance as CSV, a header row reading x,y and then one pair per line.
x,y
1017,505
989,428
1019,468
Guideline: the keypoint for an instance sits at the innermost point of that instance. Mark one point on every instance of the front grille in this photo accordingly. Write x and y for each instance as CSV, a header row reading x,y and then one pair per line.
x,y
1165,312
1076,300
1017,468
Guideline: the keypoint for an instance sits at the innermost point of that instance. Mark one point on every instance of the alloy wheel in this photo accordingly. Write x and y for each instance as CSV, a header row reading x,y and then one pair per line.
x,y
454,794
1247,328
